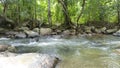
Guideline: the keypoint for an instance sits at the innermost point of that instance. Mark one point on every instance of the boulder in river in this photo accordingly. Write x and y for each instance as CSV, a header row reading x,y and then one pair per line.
x,y
88,29
20,35
66,32
111,31
103,29
117,33
36,30
7,48
3,47
28,60
45,31
97,30
23,28
31,34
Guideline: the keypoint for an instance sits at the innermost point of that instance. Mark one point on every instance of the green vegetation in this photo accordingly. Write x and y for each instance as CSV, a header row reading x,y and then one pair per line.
x,y
60,12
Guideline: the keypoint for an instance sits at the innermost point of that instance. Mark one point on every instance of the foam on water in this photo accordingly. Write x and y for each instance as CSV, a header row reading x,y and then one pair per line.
x,y
1,39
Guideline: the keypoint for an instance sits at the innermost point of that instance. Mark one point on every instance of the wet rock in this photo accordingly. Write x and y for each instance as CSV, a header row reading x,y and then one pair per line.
x,y
58,31
3,47
36,30
88,29
54,33
111,31
23,28
117,33
66,32
12,33
20,35
28,60
31,34
103,30
97,30
7,48
45,31
11,49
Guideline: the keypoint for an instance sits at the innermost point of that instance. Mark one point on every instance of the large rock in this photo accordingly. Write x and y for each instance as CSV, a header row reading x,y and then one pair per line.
x,y
20,35
36,30
117,33
29,60
111,31
66,32
103,30
3,47
31,34
45,31
11,34
23,28
88,29
98,30
7,48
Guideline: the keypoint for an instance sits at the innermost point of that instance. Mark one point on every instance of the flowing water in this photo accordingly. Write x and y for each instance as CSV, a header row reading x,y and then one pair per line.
x,y
74,52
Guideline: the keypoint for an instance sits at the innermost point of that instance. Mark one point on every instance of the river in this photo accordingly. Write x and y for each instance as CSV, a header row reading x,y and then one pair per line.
x,y
75,52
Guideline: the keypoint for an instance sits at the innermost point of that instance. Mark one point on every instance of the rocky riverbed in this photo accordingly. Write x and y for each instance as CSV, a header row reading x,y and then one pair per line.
x,y
25,60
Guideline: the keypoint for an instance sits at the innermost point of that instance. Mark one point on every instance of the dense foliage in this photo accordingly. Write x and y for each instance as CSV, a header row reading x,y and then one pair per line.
x,y
57,11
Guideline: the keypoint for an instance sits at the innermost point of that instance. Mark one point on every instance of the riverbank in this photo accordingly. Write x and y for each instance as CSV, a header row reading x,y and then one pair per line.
x,y
25,32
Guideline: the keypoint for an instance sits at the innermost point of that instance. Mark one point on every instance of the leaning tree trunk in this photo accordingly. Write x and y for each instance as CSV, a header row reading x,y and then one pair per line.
x,y
83,6
5,8
67,20
49,13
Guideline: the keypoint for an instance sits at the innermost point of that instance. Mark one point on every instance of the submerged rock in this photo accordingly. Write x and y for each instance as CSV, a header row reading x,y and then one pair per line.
x,y
29,60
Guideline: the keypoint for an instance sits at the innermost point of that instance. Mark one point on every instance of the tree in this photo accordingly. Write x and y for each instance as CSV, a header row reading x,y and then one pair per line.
x,y
67,20
49,13
118,10
83,6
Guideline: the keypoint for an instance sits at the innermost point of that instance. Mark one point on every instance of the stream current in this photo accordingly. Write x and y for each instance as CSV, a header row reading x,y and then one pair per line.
x,y
102,51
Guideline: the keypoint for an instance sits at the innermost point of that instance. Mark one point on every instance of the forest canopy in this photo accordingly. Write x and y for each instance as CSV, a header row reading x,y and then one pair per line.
x,y
61,11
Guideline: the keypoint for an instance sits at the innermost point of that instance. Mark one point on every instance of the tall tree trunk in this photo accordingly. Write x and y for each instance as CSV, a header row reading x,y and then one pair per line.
x,y
67,19
5,5
83,6
49,13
